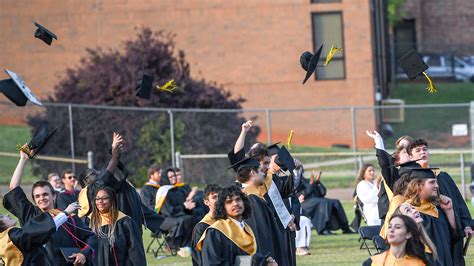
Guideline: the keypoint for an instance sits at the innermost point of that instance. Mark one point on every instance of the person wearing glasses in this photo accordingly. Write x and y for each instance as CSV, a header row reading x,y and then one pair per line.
x,y
119,239
70,194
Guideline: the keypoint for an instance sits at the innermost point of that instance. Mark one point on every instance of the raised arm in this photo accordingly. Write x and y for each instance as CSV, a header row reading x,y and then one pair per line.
x,y
117,144
377,139
239,144
16,178
447,205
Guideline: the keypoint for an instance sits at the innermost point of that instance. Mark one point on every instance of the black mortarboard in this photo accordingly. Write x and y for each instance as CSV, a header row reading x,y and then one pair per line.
x,y
273,149
412,64
309,62
284,159
249,161
235,157
40,138
16,90
422,173
144,85
44,34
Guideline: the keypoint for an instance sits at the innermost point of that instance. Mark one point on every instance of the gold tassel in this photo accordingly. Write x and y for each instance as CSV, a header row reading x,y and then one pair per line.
x,y
25,149
431,87
331,53
169,86
290,138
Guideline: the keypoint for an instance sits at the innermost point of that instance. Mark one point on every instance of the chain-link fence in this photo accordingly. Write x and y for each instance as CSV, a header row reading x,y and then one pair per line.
x,y
331,139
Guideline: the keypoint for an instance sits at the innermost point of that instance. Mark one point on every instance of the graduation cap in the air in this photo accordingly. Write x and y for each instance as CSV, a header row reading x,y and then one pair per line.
x,y
16,90
144,86
44,34
309,62
284,160
39,140
246,162
413,65
273,149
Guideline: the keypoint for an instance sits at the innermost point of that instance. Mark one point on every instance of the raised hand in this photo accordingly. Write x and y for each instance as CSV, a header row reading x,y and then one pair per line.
x,y
117,143
246,126
445,203
373,134
23,155
72,207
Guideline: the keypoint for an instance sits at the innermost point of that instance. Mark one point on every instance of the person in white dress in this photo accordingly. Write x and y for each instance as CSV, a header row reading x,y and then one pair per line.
x,y
367,191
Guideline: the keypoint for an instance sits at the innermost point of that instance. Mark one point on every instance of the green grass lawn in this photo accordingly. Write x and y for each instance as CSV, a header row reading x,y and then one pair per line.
x,y
336,249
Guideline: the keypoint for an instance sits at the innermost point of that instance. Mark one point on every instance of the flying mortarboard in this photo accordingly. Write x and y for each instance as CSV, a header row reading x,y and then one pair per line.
x,y
144,85
413,65
273,149
39,140
309,62
16,90
246,162
44,34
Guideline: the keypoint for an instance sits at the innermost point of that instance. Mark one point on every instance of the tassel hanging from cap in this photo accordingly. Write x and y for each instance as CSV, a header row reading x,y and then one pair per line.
x,y
169,86
290,138
431,87
331,53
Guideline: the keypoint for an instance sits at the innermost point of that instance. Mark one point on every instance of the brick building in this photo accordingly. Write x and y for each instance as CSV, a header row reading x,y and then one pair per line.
x,y
251,47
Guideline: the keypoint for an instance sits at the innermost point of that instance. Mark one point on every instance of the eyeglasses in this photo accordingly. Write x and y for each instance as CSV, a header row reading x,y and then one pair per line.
x,y
71,177
102,199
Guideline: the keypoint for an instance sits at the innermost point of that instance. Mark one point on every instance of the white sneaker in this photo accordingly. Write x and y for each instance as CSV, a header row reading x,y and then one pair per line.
x,y
184,252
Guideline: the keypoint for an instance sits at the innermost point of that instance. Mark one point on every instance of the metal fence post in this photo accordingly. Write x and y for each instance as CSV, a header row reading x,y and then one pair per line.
x,y
172,137
71,136
472,128
90,159
354,136
269,127
463,178
178,160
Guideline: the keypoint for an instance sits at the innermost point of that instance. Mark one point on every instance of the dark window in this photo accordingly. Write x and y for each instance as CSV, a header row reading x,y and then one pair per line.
x,y
327,30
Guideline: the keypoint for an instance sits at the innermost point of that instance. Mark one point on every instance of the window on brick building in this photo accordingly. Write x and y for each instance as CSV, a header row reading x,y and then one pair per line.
x,y
327,29
325,1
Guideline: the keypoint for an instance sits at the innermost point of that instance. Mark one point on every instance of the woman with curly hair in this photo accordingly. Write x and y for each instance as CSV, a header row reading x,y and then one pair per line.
x,y
119,238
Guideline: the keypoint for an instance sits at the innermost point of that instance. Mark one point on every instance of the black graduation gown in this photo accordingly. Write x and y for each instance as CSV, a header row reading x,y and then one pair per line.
x,y
217,249
18,204
448,187
128,247
65,198
294,207
442,236
148,196
390,176
325,214
266,229
128,201
197,233
29,239
178,221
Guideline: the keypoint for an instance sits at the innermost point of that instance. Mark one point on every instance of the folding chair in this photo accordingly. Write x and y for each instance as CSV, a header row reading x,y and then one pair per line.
x,y
367,233
160,239
379,243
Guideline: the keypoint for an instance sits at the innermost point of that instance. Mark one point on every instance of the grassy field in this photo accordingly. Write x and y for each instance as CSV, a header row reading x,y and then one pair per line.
x,y
336,249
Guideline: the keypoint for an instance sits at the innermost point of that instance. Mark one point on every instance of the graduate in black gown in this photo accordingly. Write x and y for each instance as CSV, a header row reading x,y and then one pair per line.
x,y
149,189
72,234
70,194
211,193
128,199
418,150
326,214
230,236
440,222
24,246
119,240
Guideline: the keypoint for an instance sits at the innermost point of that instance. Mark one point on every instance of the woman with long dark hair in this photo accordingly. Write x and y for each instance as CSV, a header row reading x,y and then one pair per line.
x,y
119,238
406,246
367,191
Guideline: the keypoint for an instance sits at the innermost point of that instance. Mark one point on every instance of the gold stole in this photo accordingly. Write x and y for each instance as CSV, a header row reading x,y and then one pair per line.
x,y
394,203
253,190
245,240
9,253
427,208
152,185
387,258
105,218
263,189
161,197
179,184
83,202
207,219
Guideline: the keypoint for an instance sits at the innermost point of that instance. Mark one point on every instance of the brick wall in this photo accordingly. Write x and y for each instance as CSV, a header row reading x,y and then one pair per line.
x,y
251,47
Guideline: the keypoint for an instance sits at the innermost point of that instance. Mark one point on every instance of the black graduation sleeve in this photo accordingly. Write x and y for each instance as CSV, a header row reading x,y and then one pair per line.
x,y
34,233
213,252
284,185
18,204
385,160
197,233
459,205
320,189
86,235
152,219
136,252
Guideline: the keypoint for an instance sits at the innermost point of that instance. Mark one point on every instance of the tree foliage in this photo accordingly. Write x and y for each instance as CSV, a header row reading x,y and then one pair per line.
x,y
109,77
